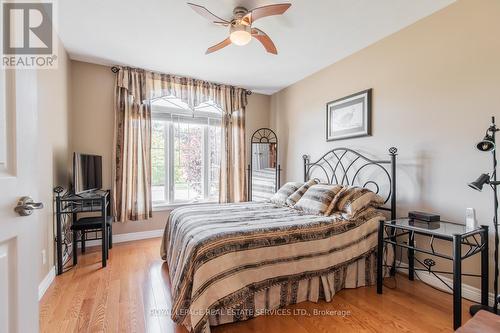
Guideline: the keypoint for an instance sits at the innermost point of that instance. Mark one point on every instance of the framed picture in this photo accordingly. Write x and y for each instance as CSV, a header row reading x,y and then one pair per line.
x,y
349,117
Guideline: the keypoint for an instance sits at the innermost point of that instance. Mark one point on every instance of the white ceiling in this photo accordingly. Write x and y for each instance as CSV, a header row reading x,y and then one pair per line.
x,y
167,36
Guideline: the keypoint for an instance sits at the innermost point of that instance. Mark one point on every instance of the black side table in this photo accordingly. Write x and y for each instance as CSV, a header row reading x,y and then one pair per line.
x,y
401,233
68,205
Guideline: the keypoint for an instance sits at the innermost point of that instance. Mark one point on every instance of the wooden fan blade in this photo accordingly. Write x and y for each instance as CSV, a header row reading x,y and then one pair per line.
x,y
262,37
219,46
264,11
208,14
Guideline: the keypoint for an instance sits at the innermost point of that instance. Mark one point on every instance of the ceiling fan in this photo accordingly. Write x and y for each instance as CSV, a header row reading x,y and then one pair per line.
x,y
240,26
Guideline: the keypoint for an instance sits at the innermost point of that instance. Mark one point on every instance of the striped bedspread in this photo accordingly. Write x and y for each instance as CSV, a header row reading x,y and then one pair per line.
x,y
227,256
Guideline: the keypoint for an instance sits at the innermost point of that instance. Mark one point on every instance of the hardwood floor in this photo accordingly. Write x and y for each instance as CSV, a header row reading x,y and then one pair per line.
x,y
133,295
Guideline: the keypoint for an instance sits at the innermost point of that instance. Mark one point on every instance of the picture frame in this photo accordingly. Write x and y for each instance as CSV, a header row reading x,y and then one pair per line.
x,y
349,117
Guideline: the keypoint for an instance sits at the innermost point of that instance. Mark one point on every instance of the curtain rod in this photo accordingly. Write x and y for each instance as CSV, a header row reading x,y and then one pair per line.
x,y
115,70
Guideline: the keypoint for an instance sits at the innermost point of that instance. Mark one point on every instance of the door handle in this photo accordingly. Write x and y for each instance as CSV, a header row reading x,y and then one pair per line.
x,y
26,205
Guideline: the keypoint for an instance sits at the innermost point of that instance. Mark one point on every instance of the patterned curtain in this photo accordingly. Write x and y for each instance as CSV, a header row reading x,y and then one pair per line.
x,y
134,90
132,149
232,185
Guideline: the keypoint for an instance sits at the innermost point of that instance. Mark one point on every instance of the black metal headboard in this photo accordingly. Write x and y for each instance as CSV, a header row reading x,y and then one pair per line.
x,y
345,166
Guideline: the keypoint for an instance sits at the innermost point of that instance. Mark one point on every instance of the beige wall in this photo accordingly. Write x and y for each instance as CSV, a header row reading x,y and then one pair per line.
x,y
92,89
52,160
257,116
435,86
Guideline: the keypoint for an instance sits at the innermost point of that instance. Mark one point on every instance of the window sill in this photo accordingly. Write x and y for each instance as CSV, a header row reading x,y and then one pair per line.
x,y
158,207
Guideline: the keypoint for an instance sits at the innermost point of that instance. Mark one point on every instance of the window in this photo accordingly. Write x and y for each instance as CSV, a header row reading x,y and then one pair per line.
x,y
185,152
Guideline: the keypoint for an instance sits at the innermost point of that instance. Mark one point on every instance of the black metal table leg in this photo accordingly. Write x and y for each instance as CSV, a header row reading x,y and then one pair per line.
x,y
104,233
484,275
484,266
83,241
74,246
394,240
457,281
380,255
59,236
411,256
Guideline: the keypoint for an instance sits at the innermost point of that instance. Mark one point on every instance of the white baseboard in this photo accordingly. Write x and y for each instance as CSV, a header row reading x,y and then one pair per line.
x,y
46,282
468,291
132,236
118,238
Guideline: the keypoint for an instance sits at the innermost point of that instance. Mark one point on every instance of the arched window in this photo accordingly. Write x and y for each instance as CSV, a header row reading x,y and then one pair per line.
x,y
185,152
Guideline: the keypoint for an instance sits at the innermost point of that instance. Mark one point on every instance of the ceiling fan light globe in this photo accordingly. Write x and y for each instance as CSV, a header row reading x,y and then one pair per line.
x,y
239,33
240,37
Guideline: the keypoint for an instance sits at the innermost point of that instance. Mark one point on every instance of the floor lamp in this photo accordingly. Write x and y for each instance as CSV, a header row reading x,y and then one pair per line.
x,y
488,145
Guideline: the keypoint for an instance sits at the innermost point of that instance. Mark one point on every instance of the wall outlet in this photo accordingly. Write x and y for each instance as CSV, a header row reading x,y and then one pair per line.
x,y
44,257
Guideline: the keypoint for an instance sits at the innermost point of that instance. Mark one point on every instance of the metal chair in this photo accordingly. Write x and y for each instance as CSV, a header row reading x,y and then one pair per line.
x,y
88,224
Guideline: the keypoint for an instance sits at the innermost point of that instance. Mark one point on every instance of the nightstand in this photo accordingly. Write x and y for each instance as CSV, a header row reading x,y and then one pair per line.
x,y
401,233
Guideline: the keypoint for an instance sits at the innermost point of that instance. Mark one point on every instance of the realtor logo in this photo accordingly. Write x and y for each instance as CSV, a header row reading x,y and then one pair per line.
x,y
28,35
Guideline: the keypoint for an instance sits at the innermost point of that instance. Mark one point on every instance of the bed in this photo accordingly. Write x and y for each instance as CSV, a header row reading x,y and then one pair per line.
x,y
232,262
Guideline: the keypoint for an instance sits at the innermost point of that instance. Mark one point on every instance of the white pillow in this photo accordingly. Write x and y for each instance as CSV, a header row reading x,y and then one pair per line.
x,y
279,198
294,197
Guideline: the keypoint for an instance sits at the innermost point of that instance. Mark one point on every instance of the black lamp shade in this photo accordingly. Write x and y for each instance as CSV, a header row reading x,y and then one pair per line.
x,y
478,183
487,144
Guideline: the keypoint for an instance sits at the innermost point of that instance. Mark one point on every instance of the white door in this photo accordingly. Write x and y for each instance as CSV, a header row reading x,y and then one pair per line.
x,y
19,264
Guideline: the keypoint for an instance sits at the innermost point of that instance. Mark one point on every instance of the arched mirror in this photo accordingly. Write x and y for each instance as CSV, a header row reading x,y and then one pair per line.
x,y
263,171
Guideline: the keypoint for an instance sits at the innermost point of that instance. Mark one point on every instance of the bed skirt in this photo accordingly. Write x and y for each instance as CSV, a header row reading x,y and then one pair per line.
x,y
356,273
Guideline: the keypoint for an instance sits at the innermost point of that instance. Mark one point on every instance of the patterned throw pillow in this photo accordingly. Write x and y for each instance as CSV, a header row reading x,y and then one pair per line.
x,y
293,198
353,200
279,198
332,208
318,198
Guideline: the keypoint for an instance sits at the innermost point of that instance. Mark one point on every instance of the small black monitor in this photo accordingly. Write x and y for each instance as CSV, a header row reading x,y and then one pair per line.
x,y
87,173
